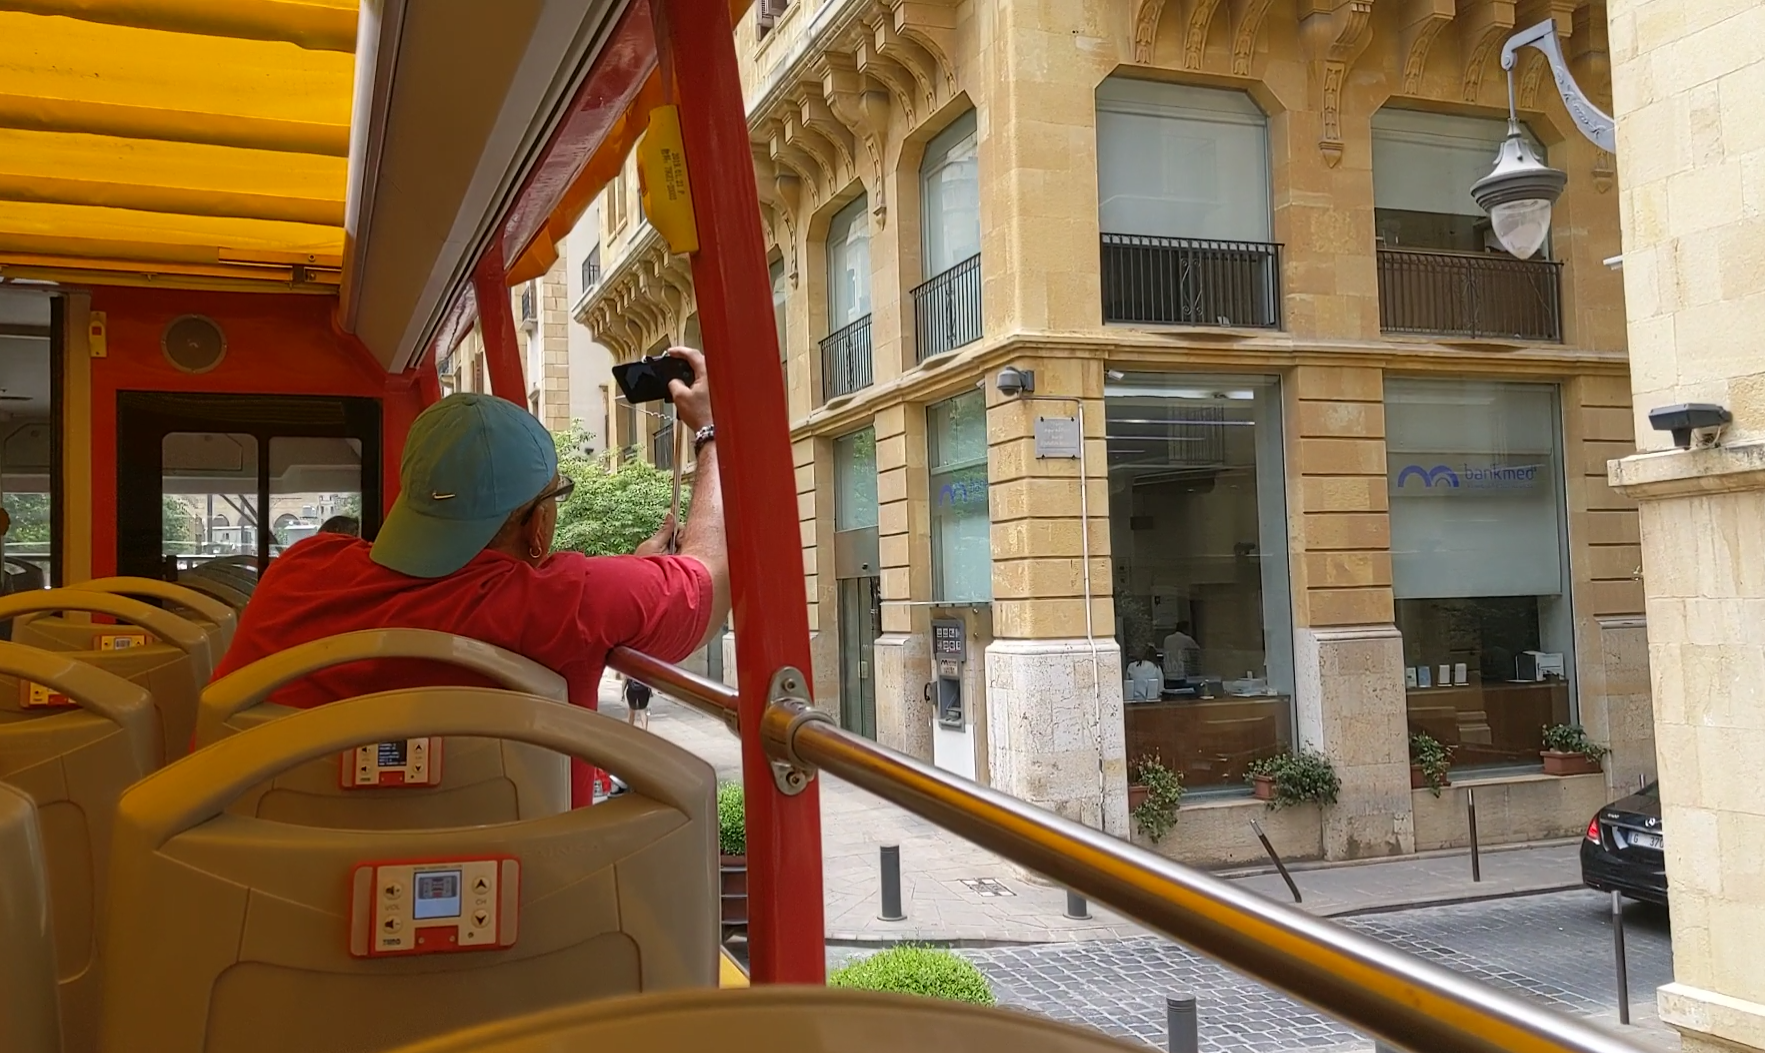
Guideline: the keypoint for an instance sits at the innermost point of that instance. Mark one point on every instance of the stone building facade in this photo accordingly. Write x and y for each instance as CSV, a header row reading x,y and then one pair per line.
x,y
1307,463
1689,81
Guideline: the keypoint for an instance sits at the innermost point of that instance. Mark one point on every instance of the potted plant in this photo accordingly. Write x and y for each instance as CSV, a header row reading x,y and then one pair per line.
x,y
1157,811
732,846
1429,761
1287,779
931,972
1137,790
1567,751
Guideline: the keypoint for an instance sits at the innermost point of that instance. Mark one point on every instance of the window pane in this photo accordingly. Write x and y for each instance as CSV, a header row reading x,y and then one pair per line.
x,y
1478,567
951,197
314,484
956,451
1181,162
210,507
1198,526
24,441
848,265
781,296
1423,168
854,468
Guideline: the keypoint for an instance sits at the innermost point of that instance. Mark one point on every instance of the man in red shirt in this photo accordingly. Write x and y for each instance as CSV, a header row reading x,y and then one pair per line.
x,y
466,549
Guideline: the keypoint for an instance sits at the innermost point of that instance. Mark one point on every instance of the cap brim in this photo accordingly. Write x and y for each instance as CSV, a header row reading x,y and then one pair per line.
x,y
427,547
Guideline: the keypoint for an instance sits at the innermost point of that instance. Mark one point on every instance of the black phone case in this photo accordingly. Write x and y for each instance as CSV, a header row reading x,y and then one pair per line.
x,y
646,380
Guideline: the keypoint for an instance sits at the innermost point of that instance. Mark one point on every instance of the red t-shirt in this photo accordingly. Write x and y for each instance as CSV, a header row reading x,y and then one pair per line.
x,y
566,614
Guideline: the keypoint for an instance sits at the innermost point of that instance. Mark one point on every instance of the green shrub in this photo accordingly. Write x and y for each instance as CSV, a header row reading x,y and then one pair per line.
x,y
1434,758
1299,777
732,820
927,971
1572,738
1164,795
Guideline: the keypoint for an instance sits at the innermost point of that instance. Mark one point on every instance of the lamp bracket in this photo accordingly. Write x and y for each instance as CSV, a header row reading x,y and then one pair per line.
x,y
1594,122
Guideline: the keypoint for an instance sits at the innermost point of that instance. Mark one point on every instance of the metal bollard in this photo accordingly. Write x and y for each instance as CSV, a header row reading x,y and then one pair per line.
x,y
1181,1026
891,884
1471,812
1618,952
1269,847
1076,907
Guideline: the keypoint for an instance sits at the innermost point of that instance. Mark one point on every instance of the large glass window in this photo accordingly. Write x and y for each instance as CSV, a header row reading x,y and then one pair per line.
x,y
27,474
854,473
781,301
1423,168
210,509
950,197
1478,563
1198,528
962,543
315,484
1181,162
848,265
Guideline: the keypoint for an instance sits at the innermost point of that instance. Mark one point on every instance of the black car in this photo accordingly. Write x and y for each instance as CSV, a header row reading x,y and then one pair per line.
x,y
1622,849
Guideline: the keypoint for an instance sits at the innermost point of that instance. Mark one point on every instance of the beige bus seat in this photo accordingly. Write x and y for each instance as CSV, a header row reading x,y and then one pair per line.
x,y
482,780
770,1019
75,764
173,668
232,934
237,572
29,1021
218,619
227,594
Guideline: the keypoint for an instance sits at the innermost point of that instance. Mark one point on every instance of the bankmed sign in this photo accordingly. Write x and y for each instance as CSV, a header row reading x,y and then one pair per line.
x,y
1427,476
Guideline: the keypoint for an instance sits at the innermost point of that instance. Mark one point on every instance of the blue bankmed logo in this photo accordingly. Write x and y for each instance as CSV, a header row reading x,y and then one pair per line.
x,y
1469,476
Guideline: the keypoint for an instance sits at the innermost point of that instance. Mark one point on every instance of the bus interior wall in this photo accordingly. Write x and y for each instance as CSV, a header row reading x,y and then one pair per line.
x,y
274,344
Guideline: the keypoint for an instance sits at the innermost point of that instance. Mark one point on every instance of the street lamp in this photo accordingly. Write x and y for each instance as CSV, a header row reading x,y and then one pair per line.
x,y
1519,191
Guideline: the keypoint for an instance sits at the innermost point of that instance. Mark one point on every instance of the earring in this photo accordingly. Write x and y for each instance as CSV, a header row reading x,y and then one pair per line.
x,y
535,552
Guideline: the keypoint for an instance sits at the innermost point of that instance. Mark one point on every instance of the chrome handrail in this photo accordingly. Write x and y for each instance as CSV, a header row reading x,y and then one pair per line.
x,y
1370,985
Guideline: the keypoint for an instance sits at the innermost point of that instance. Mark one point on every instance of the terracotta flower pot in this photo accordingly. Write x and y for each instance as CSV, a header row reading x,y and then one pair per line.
x,y
1418,781
1568,763
1263,787
1136,796
732,874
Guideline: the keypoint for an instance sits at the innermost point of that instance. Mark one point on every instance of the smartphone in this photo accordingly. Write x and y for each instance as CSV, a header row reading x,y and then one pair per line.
x,y
646,380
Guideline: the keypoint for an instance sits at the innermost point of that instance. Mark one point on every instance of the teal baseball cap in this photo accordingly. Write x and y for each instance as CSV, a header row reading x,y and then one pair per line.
x,y
469,461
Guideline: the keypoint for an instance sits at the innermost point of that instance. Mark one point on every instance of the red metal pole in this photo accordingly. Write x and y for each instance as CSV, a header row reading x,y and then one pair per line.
x,y
787,940
496,319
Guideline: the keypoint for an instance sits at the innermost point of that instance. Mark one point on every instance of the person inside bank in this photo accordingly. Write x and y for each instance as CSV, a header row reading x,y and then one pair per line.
x,y
1182,656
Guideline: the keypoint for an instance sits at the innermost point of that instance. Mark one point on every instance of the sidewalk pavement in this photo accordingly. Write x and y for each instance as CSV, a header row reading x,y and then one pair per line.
x,y
956,893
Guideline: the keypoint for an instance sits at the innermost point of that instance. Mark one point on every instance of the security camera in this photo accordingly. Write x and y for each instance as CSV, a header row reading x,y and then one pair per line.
x,y
1697,424
1013,381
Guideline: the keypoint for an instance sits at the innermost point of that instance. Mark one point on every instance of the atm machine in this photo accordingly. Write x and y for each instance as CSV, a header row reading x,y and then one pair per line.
x,y
957,690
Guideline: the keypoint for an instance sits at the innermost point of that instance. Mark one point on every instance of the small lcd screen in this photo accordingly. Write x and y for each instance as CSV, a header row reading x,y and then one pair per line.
x,y
438,894
392,754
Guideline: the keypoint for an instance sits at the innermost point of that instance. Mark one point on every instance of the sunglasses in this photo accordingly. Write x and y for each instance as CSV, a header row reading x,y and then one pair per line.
x,y
558,494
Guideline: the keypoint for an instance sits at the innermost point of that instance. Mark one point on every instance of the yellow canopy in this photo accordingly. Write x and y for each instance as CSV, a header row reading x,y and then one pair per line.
x,y
180,141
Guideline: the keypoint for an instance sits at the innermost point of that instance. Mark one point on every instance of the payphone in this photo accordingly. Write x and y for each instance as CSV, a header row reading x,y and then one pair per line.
x,y
949,652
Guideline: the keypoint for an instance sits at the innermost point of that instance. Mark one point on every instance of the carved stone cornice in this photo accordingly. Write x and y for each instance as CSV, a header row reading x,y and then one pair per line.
x,y
1336,32
909,54
932,25
864,111
887,72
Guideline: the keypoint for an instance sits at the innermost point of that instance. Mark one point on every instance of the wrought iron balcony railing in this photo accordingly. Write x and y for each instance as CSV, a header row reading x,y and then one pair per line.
x,y
1149,280
1470,294
947,310
845,360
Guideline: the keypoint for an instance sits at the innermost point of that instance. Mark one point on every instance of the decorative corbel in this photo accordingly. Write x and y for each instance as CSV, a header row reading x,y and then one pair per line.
x,y
790,196
1246,21
793,158
1336,32
819,119
766,177
1195,31
885,71
1422,22
932,25
1146,17
812,148
1483,25
865,113
907,53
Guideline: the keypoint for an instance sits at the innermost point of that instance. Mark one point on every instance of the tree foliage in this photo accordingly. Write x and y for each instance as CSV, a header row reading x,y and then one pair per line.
x,y
177,522
30,517
613,509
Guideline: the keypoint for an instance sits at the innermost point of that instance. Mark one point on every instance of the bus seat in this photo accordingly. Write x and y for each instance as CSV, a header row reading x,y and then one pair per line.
x,y
208,586
173,668
232,934
29,1021
74,764
772,1018
218,619
482,780
236,572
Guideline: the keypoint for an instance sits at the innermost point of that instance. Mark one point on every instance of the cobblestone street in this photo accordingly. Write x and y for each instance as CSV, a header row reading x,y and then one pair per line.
x,y
1553,948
